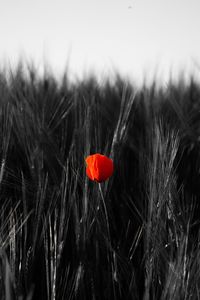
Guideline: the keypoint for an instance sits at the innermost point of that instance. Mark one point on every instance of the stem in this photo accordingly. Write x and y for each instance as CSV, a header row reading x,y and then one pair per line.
x,y
105,209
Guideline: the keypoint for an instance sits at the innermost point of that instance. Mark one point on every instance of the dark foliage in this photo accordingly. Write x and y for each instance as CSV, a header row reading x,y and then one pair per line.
x,y
62,236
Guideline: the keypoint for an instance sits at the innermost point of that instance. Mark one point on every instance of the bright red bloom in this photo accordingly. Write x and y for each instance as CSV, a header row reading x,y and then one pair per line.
x,y
99,167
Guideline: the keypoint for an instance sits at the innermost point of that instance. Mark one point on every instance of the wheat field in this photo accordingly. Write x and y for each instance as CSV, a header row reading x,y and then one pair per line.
x,y
58,239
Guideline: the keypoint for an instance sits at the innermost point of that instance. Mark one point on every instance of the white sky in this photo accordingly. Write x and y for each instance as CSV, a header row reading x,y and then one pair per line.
x,y
137,37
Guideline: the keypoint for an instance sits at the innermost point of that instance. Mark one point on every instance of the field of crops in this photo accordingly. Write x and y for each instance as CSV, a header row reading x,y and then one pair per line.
x,y
133,236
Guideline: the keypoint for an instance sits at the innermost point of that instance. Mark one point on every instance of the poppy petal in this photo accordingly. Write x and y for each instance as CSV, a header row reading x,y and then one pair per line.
x,y
99,167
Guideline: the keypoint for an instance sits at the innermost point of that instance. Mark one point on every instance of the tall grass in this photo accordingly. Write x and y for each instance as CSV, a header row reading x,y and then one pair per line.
x,y
135,236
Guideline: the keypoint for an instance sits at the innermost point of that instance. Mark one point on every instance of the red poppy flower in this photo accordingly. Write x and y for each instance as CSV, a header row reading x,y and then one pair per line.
x,y
99,167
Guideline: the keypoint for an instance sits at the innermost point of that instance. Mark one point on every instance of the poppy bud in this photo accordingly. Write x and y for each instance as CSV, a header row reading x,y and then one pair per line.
x,y
99,167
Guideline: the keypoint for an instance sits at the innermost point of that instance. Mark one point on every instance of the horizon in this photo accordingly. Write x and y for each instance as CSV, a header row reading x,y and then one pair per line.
x,y
138,39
